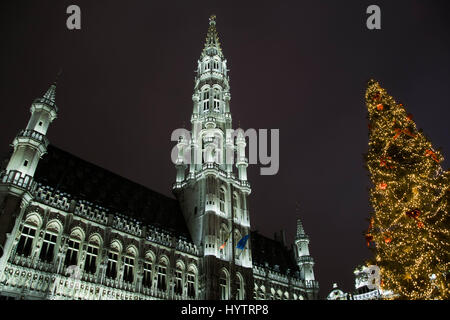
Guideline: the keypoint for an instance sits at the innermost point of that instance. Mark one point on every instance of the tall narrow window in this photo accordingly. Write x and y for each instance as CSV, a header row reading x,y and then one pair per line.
x,y
191,285
178,281
223,283
239,288
26,241
162,283
90,265
216,100
72,253
48,247
222,200
216,65
205,99
111,268
147,278
128,269
262,295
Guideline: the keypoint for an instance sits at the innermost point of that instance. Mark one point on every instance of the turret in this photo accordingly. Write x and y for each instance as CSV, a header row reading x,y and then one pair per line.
x,y
31,144
304,260
16,182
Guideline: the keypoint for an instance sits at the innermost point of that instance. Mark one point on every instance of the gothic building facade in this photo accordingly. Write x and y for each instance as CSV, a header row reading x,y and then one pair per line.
x,y
72,230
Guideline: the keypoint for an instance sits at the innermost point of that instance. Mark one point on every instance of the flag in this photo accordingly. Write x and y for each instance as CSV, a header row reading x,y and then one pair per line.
x,y
225,243
241,244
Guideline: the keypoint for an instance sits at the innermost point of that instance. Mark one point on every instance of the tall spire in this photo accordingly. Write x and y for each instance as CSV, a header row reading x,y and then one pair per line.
x,y
51,93
300,231
212,44
50,96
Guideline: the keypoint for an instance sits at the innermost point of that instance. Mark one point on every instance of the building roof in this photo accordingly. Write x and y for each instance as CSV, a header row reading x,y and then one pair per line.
x,y
272,252
86,181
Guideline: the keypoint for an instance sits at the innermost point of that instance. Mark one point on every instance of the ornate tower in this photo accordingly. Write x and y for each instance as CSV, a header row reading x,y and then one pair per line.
x,y
16,182
211,186
304,260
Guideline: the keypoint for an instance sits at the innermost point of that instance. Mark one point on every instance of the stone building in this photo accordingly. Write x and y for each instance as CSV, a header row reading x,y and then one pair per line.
x,y
72,230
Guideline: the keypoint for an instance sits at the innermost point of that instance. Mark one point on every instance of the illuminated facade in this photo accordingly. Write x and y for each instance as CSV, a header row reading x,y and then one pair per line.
x,y
363,290
72,230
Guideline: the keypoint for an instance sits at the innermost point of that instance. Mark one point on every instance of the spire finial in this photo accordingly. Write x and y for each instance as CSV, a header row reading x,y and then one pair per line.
x,y
212,19
58,75
300,230
212,44
50,95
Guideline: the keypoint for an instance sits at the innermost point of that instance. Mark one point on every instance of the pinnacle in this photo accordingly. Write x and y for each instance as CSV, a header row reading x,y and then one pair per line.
x,y
212,44
51,93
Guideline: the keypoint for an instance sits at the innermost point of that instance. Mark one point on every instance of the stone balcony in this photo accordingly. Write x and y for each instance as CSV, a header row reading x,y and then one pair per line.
x,y
16,178
32,134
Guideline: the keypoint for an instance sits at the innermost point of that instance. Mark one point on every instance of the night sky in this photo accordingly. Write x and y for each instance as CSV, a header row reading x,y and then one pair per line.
x,y
297,66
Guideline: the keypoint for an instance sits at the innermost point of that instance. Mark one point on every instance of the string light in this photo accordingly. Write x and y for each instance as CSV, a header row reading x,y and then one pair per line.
x,y
410,225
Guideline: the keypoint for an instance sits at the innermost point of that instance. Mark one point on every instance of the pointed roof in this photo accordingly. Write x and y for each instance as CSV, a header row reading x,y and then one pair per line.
x,y
49,97
300,230
51,93
212,44
87,182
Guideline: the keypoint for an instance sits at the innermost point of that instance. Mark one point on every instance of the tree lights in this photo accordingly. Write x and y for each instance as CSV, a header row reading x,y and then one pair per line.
x,y
409,229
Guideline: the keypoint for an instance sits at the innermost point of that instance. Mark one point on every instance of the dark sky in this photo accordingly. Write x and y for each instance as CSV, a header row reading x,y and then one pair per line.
x,y
297,66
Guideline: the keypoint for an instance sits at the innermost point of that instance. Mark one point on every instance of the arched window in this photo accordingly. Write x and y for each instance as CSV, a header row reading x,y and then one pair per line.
x,y
262,293
272,294
224,285
191,282
90,264
216,65
162,275
26,240
128,265
216,100
113,258
179,279
279,295
222,200
147,276
239,282
205,99
48,245
73,249
207,65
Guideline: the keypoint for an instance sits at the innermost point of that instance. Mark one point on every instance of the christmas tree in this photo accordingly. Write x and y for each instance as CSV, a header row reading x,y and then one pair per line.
x,y
409,229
